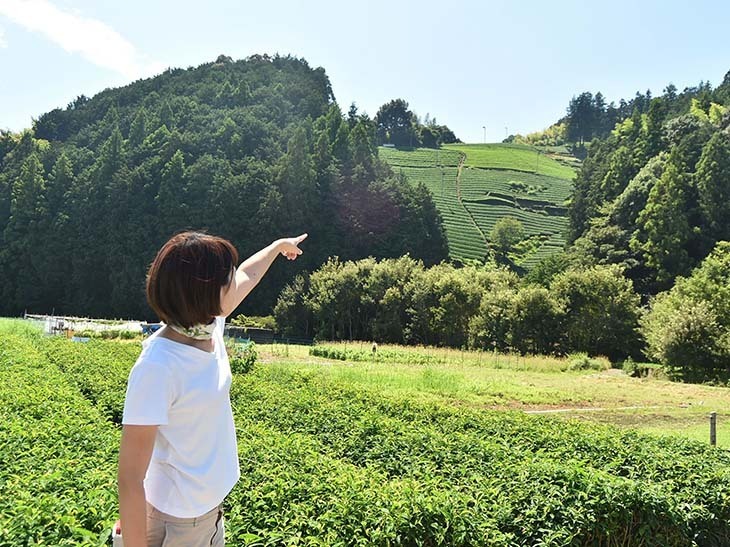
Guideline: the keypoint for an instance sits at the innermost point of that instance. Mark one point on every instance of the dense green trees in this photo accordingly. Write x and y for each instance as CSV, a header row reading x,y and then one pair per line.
x,y
652,195
249,150
399,300
665,226
652,198
650,203
257,148
397,125
589,116
601,311
713,185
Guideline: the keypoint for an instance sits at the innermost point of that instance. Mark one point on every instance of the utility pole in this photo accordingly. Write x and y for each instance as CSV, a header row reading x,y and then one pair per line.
x,y
485,133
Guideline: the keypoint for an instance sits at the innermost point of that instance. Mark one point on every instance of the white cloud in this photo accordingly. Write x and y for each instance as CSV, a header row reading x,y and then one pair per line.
x,y
3,41
92,39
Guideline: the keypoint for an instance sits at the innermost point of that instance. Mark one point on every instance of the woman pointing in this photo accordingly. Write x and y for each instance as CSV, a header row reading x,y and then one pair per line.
x,y
178,457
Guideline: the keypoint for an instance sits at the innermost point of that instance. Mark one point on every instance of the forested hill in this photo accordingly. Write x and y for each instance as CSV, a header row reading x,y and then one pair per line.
x,y
653,194
249,150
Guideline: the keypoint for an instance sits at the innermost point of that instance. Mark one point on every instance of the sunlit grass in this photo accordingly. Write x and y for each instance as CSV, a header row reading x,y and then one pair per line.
x,y
450,356
511,156
497,381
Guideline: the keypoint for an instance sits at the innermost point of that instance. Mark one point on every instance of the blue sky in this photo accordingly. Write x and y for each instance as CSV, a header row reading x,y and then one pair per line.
x,y
498,64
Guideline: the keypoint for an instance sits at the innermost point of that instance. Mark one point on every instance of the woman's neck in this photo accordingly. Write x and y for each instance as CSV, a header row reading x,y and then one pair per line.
x,y
205,345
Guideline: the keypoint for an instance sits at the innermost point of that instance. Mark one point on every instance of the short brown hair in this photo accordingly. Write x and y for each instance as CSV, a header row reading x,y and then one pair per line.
x,y
185,279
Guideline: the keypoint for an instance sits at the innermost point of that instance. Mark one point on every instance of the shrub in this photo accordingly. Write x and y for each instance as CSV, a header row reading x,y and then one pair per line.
x,y
88,333
685,335
642,370
491,326
340,465
241,356
328,353
581,361
601,311
57,452
254,321
688,328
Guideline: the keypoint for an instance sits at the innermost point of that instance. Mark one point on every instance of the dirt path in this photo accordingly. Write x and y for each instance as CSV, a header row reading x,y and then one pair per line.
x,y
462,160
589,409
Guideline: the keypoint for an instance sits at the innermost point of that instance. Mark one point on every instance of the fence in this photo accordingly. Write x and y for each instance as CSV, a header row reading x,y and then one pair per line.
x,y
62,324
265,336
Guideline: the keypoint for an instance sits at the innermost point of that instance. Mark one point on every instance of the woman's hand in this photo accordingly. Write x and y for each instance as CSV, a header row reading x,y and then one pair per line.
x,y
289,247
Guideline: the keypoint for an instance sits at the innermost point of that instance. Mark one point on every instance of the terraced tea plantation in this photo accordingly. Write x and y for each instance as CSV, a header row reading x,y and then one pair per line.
x,y
475,185
326,461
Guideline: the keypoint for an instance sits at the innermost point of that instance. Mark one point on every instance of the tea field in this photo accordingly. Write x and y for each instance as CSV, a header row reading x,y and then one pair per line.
x,y
475,185
412,447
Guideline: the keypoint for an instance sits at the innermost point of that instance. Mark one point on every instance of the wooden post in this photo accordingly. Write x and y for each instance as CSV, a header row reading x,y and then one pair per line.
x,y
713,428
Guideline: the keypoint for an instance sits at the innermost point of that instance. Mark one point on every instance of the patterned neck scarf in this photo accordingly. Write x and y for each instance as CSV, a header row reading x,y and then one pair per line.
x,y
197,332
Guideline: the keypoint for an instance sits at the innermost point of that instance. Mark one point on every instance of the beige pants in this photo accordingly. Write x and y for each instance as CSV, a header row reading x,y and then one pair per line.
x,y
164,530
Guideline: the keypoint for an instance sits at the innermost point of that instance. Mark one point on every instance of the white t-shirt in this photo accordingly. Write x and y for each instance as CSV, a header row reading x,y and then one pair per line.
x,y
185,390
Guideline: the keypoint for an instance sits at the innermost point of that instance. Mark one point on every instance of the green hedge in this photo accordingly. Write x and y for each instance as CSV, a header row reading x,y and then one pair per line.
x,y
380,356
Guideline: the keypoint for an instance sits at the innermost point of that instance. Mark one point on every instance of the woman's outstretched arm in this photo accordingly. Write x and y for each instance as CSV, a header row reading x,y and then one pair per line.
x,y
250,272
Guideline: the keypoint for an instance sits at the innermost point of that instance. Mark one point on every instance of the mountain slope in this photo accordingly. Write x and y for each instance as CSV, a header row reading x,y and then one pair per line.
x,y
250,150
475,185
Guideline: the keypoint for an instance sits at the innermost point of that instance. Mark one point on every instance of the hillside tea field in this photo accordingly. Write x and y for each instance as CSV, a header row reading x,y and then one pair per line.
x,y
330,455
475,185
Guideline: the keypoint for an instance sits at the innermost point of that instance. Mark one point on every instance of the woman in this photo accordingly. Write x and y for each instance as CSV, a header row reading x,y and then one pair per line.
x,y
178,457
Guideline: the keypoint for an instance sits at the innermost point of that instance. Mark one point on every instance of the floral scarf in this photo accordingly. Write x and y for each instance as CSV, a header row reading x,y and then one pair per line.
x,y
197,332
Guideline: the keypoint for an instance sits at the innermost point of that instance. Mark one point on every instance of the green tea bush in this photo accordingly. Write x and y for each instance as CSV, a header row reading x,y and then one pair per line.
x,y
20,327
615,484
121,334
98,368
57,454
335,353
87,333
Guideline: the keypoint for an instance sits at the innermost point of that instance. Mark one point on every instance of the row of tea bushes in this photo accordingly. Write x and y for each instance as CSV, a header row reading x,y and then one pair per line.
x,y
332,464
98,368
543,477
293,493
57,454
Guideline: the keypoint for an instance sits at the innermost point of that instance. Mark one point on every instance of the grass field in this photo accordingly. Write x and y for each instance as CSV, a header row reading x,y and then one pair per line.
x,y
473,186
516,157
528,383
421,447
